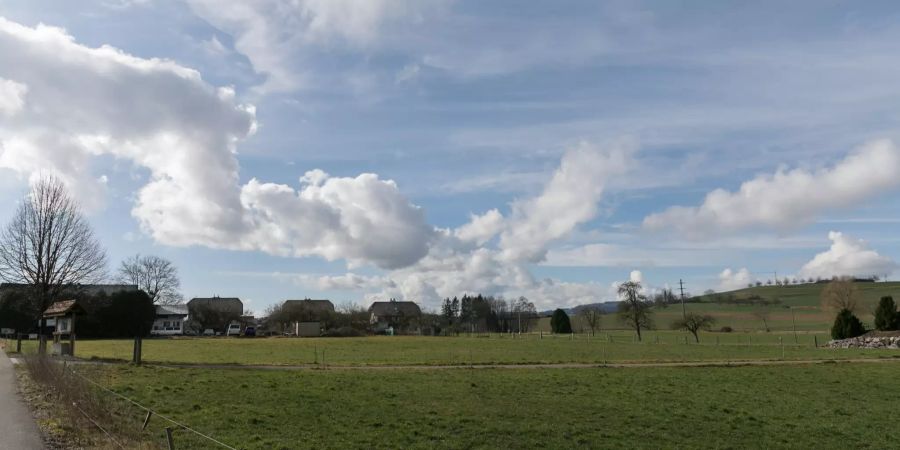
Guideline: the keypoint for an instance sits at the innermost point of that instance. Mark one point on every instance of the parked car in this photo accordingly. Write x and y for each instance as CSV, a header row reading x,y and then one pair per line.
x,y
209,332
250,331
234,329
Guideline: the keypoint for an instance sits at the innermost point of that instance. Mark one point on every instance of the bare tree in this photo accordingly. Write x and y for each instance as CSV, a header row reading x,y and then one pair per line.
x,y
693,323
763,315
156,276
634,309
591,316
664,298
840,294
49,245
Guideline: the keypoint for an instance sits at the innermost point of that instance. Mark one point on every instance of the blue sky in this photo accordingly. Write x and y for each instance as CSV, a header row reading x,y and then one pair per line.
x,y
513,148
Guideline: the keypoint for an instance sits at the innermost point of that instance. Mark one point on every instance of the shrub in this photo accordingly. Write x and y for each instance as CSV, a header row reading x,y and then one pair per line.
x,y
846,326
343,332
726,329
886,317
560,323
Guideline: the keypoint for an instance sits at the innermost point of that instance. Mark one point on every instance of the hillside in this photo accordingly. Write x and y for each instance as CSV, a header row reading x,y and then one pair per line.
x,y
795,306
808,294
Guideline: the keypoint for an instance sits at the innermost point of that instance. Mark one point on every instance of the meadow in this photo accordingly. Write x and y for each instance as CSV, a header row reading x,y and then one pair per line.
x,y
839,405
613,347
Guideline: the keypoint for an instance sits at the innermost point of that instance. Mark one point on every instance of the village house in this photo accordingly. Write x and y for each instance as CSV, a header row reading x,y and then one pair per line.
x,y
310,316
170,320
395,317
218,314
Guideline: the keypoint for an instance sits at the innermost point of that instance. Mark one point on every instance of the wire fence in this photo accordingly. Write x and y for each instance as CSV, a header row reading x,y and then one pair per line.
x,y
116,416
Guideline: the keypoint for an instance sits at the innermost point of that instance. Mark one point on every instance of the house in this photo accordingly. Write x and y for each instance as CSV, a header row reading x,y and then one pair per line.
x,y
170,320
310,316
214,313
394,316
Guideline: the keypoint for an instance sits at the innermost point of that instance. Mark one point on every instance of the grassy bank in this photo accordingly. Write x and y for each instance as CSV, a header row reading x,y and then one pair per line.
x,y
740,407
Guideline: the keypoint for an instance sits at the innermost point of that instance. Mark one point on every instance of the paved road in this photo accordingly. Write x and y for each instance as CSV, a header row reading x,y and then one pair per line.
x,y
17,428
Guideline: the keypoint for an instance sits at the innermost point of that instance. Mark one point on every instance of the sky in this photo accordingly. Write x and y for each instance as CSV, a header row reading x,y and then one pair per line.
x,y
361,150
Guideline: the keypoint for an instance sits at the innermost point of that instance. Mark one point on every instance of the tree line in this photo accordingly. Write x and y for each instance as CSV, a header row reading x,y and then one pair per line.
x,y
487,314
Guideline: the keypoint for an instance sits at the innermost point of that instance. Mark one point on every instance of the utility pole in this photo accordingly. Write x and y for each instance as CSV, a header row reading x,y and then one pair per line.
x,y
683,311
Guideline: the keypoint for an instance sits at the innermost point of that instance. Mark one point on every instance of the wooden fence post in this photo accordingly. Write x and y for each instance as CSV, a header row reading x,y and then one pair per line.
x,y
136,353
19,343
146,420
169,439
816,341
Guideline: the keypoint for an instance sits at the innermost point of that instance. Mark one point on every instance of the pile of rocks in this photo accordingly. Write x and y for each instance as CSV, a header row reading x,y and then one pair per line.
x,y
867,342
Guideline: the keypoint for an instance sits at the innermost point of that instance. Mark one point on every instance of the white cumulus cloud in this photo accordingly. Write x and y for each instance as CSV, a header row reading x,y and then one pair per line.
x,y
84,102
568,199
12,96
848,256
730,280
788,198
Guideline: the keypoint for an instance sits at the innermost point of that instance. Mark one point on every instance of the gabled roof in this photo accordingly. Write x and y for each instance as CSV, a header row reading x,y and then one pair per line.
x,y
394,308
62,308
310,305
171,310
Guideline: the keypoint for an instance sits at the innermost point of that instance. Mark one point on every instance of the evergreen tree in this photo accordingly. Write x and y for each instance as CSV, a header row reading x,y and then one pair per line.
x,y
560,323
886,317
846,326
447,311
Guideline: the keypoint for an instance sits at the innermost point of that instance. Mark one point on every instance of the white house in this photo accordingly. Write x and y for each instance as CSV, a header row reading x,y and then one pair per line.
x,y
169,320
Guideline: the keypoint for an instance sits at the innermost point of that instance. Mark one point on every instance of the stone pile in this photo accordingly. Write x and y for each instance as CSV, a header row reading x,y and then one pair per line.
x,y
866,342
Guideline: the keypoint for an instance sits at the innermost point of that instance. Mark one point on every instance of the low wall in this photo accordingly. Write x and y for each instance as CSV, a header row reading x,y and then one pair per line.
x,y
867,342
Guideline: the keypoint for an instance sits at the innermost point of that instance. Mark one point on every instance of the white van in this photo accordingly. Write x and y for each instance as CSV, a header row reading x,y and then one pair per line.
x,y
234,329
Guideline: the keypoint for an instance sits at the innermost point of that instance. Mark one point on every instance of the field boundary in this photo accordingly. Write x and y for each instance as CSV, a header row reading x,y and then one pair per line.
x,y
532,366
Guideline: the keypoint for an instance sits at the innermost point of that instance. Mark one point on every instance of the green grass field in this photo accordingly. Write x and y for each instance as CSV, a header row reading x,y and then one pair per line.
x,y
531,349
800,306
842,405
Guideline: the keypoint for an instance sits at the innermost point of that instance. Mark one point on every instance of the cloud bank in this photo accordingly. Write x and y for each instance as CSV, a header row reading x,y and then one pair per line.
x,y
788,199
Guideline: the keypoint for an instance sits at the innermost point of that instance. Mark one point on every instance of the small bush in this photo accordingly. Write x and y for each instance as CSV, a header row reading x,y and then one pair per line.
x,y
343,332
726,329
846,326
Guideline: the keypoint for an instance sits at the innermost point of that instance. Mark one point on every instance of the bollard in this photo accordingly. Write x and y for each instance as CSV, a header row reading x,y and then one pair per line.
x,y
136,353
169,439
19,343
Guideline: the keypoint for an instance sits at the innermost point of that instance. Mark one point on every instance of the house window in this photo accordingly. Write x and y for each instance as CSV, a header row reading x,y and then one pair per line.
x,y
176,325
